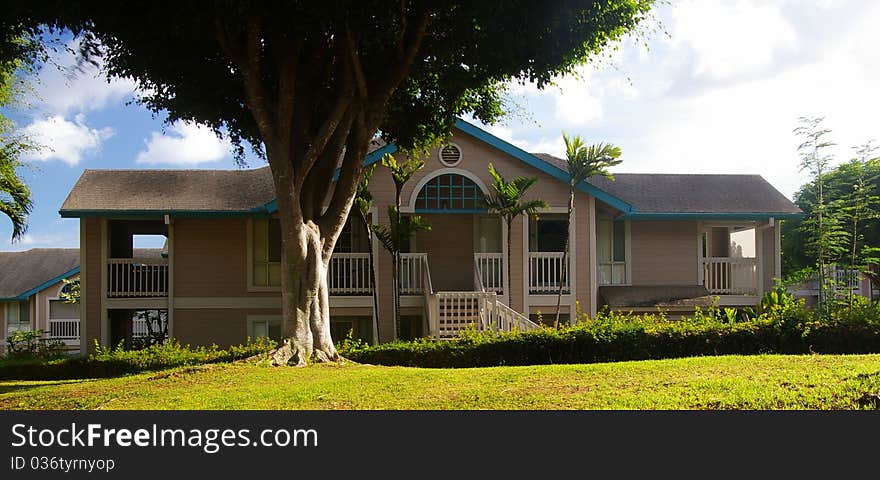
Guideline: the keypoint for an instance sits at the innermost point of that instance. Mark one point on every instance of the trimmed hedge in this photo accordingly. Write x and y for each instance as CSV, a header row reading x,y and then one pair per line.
x,y
786,329
111,362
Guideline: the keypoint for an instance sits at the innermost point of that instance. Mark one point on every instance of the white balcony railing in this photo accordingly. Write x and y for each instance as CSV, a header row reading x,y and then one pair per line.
x,y
545,273
730,276
349,274
490,268
411,275
137,277
64,328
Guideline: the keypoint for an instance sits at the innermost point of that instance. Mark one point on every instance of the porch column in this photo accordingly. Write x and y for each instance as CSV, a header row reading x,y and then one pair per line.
x,y
759,258
169,222
592,301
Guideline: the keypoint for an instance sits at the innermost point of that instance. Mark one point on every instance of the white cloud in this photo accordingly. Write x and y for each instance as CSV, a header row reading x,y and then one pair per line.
x,y
67,90
712,100
64,140
732,37
187,144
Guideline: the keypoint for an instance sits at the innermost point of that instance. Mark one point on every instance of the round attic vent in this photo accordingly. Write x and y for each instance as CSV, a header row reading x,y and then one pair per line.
x,y
450,155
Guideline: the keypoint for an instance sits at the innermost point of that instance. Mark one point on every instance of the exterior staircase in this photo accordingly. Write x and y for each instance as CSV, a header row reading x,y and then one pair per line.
x,y
450,313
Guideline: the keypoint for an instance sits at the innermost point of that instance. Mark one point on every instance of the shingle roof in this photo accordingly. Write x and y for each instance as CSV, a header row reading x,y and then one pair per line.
x,y
691,193
170,190
23,271
247,191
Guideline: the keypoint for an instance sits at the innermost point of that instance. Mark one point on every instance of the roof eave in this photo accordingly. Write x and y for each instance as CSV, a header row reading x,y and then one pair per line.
x,y
42,286
712,215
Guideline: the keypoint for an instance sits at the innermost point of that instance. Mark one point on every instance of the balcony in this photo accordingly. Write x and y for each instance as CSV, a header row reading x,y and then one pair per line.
x,y
730,276
137,277
349,274
545,272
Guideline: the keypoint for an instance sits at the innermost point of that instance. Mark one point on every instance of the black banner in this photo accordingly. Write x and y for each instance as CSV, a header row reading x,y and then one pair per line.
x,y
411,444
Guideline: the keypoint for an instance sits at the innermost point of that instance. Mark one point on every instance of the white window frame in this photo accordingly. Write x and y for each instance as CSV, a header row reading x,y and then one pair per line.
x,y
17,305
268,319
627,254
251,286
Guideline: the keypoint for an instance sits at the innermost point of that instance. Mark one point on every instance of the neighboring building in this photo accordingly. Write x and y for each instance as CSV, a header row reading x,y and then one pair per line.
x,y
30,290
636,242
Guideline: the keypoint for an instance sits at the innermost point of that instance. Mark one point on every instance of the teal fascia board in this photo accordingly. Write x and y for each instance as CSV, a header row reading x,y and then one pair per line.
x,y
541,165
427,211
373,157
44,285
254,212
710,216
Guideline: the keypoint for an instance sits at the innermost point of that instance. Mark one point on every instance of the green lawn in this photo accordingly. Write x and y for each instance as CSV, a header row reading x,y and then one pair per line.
x,y
730,382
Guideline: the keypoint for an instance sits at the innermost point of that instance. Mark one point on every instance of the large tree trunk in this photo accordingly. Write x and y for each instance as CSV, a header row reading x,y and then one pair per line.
x,y
305,302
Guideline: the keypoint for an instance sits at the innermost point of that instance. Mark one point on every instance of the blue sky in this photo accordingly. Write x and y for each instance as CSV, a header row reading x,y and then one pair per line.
x,y
718,89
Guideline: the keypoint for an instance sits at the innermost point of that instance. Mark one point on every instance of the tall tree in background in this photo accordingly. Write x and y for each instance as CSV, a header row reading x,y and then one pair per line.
x,y
507,199
583,162
309,83
825,234
860,206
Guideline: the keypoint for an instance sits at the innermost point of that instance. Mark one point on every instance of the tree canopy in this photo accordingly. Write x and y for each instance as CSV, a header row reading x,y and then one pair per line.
x,y
840,187
309,84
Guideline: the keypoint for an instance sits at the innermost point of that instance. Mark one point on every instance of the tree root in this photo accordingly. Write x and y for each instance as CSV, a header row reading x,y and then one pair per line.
x,y
287,354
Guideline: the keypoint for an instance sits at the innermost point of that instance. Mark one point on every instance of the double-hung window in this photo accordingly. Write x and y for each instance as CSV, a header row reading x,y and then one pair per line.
x,y
266,253
17,317
612,252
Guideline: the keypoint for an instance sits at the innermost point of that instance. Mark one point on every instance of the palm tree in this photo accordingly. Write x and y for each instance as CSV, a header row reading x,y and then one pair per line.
x,y
395,235
583,162
506,199
363,202
15,196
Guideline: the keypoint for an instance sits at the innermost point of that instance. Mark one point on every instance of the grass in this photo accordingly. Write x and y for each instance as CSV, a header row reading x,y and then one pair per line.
x,y
727,382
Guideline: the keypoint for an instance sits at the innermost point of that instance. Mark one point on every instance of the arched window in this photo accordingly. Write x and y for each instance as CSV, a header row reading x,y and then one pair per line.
x,y
450,192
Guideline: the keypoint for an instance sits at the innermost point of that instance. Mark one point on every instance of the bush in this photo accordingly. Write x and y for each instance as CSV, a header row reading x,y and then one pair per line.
x,y
784,327
32,344
108,362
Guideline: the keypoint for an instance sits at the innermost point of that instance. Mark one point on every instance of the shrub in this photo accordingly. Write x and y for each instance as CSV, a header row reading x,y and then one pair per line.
x,y
785,326
32,344
108,362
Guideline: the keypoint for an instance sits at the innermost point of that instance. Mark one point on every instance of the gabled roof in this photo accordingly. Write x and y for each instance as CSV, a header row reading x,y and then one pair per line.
x,y
23,274
251,192
178,192
665,195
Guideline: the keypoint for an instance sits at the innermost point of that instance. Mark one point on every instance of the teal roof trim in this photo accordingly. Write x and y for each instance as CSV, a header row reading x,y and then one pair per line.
x,y
254,212
43,286
541,165
710,216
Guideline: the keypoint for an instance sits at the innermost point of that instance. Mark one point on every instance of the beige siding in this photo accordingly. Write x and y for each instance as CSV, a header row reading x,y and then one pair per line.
x,y
450,247
768,256
210,258
664,253
90,287
584,229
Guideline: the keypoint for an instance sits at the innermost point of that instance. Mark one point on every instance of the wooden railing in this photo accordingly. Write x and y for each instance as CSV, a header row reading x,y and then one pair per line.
x,y
490,269
545,272
411,275
730,276
504,319
453,312
64,328
137,277
139,326
349,274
